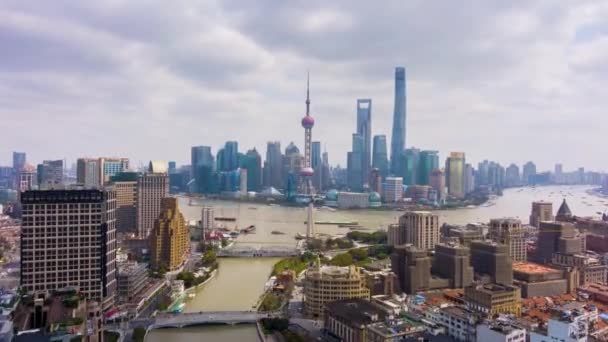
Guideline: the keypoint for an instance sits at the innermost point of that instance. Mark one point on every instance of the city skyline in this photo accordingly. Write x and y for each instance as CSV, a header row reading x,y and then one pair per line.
x,y
488,94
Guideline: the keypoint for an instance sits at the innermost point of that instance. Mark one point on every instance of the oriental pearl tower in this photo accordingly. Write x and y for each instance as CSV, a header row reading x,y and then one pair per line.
x,y
307,172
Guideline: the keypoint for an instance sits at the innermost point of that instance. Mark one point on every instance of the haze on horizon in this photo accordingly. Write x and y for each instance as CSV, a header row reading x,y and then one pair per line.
x,y
508,81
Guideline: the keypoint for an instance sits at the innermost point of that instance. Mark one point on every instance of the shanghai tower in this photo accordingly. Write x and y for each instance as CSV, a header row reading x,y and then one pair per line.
x,y
398,136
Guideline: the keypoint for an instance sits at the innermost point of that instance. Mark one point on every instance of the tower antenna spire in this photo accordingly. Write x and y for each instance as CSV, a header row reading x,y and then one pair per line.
x,y
308,94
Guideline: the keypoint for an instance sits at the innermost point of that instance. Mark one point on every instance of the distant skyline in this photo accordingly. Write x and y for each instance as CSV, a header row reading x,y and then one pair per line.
x,y
505,81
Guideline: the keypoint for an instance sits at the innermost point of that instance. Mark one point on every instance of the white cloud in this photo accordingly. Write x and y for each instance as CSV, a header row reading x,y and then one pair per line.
x,y
505,81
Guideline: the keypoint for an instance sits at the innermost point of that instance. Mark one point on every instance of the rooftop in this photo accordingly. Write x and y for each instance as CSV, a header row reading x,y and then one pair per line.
x,y
564,210
130,268
457,311
355,311
494,288
502,328
397,328
532,268
332,271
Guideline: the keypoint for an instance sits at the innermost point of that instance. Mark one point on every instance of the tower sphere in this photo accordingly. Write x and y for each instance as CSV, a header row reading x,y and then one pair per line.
x,y
308,122
307,172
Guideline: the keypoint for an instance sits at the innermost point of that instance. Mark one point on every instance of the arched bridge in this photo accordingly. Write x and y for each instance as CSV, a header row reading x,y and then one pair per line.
x,y
180,320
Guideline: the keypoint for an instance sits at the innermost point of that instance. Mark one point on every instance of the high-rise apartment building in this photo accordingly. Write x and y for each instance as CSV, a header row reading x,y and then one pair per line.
x,y
437,182
172,167
125,185
68,239
202,169
427,162
380,156
293,161
469,179
529,171
512,176
315,159
316,162
492,260
95,172
409,166
243,181
354,163
252,162
19,160
394,189
453,262
541,211
454,175
325,284
558,173
399,120
170,237
50,175
419,228
557,237
200,156
207,219
25,179
88,172
364,128
152,187
508,231
413,269
113,166
229,158
273,165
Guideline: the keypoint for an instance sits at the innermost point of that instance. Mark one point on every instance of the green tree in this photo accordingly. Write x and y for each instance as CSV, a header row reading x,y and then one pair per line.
x,y
307,257
209,257
344,259
358,254
187,277
270,302
345,243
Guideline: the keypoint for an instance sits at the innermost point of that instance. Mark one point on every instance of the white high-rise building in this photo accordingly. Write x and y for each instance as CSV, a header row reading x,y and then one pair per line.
x,y
394,189
207,219
243,182
419,228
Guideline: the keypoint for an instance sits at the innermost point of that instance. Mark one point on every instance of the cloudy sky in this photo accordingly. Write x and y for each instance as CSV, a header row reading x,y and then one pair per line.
x,y
504,80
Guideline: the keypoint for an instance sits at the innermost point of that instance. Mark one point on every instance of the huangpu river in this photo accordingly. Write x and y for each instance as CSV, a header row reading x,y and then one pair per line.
x,y
240,282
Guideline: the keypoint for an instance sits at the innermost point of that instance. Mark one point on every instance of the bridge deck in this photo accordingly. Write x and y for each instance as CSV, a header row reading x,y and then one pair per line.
x,y
207,317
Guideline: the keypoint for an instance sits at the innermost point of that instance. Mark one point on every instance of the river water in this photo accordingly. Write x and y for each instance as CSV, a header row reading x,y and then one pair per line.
x,y
240,282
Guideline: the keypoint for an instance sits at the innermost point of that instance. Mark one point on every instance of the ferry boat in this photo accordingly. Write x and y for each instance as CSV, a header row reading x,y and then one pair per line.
x,y
221,218
249,229
179,308
300,236
234,233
